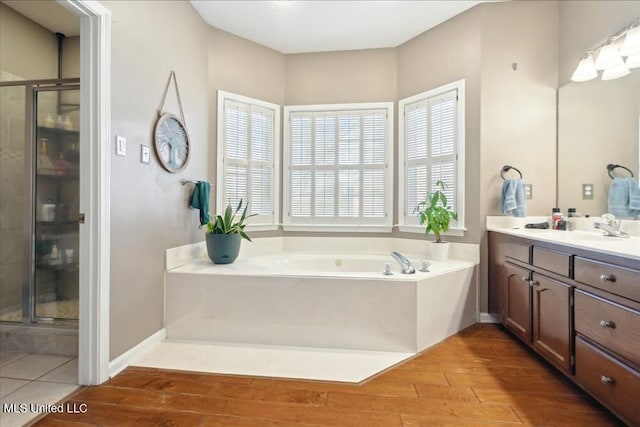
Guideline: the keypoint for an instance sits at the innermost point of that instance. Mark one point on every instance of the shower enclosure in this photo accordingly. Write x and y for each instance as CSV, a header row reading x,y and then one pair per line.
x,y
39,202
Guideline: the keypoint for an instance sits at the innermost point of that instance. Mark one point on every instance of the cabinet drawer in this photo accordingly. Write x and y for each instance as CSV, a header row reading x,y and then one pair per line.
x,y
556,262
611,278
518,250
611,325
613,383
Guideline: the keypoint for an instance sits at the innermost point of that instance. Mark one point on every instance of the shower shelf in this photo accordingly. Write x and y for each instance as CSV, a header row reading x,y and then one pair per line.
x,y
56,131
59,267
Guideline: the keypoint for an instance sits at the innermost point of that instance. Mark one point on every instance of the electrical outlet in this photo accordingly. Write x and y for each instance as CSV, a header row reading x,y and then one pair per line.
x,y
121,145
145,154
528,191
587,191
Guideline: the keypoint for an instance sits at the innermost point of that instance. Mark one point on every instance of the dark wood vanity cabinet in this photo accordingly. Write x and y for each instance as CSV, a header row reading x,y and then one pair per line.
x,y
578,309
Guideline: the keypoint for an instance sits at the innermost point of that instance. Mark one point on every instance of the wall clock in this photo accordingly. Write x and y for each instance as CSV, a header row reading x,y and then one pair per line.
x,y
171,142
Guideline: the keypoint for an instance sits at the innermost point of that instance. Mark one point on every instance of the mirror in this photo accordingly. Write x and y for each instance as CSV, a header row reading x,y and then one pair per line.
x,y
598,124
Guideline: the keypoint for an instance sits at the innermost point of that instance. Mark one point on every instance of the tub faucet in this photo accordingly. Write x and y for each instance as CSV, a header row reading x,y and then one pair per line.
x,y
611,227
407,268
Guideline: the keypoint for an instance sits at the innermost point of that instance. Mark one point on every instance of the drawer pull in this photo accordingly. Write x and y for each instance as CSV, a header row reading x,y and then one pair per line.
x,y
604,324
606,380
604,278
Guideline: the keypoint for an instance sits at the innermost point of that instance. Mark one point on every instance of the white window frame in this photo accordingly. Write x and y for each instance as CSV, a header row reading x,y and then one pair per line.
x,y
459,228
275,182
298,224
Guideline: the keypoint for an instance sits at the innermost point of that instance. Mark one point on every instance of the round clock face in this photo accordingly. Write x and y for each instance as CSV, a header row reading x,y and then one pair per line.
x,y
171,143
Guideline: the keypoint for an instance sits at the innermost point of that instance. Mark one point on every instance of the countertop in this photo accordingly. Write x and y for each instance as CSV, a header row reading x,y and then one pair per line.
x,y
588,240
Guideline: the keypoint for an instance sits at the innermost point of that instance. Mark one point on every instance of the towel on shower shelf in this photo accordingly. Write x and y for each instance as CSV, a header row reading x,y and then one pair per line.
x,y
200,200
513,198
624,198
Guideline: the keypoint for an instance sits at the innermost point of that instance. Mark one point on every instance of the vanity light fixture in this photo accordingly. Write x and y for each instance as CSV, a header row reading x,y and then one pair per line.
x,y
631,44
586,69
610,56
633,61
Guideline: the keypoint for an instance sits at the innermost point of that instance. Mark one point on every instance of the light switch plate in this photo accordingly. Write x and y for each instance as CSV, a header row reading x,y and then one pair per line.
x,y
145,154
121,145
587,191
528,191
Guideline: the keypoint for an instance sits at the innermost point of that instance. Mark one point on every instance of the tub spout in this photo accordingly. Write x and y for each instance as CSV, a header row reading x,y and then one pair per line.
x,y
407,268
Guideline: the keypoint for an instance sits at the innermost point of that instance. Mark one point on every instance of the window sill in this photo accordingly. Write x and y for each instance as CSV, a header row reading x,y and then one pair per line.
x,y
262,227
454,231
322,228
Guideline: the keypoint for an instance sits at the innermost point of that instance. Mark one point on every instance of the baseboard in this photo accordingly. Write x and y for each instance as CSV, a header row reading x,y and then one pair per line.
x,y
130,356
488,318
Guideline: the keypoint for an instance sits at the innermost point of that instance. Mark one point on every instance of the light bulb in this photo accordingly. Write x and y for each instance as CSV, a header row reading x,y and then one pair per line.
x,y
585,70
608,57
633,61
631,44
615,72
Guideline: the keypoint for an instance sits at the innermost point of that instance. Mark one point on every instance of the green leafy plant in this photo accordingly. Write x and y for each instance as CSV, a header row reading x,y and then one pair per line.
x,y
227,225
435,213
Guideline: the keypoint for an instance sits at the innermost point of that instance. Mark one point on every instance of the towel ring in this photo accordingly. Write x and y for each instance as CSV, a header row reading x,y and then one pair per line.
x,y
507,168
611,167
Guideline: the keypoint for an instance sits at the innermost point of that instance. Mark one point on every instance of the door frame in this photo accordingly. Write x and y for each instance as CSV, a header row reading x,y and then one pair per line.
x,y
95,121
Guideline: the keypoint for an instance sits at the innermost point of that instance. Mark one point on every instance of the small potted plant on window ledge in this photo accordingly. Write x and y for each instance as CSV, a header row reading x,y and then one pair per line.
x,y
436,215
224,235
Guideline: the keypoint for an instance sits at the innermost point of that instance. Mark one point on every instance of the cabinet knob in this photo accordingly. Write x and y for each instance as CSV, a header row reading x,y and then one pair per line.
x,y
604,278
604,324
606,380
525,279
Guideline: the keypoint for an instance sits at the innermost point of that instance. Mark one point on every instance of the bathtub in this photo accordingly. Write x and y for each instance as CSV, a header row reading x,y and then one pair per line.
x,y
337,300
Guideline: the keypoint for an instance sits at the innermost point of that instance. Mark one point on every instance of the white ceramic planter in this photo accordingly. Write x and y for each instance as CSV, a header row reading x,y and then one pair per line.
x,y
439,251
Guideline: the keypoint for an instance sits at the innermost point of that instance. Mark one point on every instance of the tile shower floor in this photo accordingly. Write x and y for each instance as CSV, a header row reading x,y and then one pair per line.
x,y
34,379
64,309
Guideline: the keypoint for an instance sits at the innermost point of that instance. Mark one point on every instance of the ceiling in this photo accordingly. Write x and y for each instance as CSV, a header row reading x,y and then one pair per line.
x,y
49,14
290,26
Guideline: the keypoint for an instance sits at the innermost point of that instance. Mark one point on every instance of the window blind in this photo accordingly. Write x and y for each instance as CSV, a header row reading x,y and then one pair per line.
x,y
430,150
337,167
248,164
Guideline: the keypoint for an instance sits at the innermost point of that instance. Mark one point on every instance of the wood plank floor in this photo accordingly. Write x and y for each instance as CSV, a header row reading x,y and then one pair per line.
x,y
479,377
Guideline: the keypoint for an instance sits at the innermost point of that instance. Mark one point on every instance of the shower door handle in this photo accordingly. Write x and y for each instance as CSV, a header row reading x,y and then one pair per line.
x,y
81,218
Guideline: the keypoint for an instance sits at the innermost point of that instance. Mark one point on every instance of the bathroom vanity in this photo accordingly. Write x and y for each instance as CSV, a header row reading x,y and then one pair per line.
x,y
574,297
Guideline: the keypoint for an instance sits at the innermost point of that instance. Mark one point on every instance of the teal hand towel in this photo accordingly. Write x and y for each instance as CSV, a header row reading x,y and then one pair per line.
x,y
200,200
624,198
513,198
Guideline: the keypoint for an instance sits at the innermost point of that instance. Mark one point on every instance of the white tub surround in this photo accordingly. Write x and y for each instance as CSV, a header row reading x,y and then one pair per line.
x,y
302,297
582,238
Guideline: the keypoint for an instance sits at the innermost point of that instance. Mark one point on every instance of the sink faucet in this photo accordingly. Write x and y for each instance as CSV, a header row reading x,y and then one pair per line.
x,y
611,227
407,268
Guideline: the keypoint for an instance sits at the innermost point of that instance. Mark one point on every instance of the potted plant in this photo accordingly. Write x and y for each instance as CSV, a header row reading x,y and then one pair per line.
x,y
436,215
225,233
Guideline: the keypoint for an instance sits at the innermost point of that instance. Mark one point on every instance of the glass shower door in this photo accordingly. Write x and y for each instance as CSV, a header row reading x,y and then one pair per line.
x,y
56,203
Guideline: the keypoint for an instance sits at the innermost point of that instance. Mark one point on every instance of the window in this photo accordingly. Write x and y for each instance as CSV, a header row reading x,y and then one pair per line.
x,y
339,167
431,149
248,136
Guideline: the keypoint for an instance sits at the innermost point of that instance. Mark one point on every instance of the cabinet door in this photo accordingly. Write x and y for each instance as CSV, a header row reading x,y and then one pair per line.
x,y
517,301
552,320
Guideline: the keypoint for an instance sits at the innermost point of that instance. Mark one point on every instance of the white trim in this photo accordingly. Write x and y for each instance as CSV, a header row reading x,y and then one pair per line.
x,y
488,318
136,352
460,148
95,119
346,228
287,223
419,229
222,96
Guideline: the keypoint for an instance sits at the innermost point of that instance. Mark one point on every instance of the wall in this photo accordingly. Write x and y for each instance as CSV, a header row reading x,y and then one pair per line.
x,y
148,205
518,124
585,24
340,77
27,50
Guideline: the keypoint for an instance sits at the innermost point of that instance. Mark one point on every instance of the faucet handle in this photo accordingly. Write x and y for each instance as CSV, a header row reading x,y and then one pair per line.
x,y
609,218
